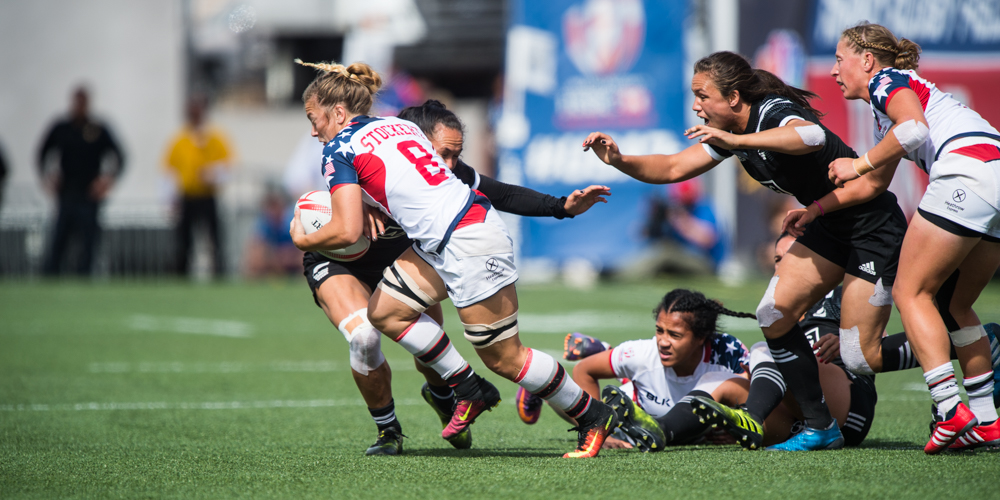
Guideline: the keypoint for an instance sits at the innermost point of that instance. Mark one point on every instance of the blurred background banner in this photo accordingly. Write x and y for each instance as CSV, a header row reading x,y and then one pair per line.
x,y
578,66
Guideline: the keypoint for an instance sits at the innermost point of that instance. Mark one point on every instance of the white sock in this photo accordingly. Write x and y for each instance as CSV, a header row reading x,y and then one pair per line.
x,y
428,343
944,389
980,391
542,376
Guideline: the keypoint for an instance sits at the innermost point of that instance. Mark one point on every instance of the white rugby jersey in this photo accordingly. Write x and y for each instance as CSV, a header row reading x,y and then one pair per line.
x,y
947,118
399,171
657,388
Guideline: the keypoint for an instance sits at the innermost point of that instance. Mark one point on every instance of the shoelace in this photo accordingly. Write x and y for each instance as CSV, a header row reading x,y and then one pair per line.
x,y
581,437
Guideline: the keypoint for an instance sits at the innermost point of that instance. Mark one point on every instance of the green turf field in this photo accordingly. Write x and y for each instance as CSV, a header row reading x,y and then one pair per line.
x,y
167,389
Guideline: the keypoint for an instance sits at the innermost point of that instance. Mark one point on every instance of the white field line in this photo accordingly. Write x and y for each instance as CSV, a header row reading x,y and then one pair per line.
x,y
208,405
197,326
237,367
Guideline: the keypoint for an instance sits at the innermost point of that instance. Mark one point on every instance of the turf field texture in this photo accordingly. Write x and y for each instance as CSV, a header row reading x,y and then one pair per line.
x,y
165,389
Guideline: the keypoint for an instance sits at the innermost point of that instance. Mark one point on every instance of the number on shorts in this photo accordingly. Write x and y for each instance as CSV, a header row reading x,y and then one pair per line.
x,y
421,162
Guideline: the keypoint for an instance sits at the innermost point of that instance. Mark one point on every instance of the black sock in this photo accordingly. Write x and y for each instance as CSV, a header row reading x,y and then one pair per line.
x,y
680,424
767,389
800,370
443,397
896,353
385,416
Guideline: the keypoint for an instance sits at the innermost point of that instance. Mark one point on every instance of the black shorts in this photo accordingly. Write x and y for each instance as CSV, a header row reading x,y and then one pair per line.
x,y
954,227
862,410
864,239
368,269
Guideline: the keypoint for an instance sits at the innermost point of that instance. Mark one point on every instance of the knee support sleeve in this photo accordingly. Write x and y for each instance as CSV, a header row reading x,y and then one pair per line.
x,y
766,312
365,343
967,336
911,134
882,295
400,286
850,352
483,336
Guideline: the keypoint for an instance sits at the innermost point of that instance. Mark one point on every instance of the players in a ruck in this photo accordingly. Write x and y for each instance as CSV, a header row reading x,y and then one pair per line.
x,y
956,227
855,237
461,251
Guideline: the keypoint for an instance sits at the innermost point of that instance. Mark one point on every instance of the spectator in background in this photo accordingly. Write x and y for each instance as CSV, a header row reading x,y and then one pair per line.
x,y
199,158
270,251
3,175
80,181
683,232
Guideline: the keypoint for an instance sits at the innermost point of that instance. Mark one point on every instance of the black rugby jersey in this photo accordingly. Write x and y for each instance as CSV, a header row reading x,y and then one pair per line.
x,y
803,176
823,317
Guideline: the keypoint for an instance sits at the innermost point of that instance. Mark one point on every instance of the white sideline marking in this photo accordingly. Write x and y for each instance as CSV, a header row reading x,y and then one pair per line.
x,y
199,326
236,367
208,405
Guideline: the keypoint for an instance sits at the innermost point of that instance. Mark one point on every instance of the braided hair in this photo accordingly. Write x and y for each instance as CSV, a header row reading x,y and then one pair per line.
x,y
704,311
888,51
428,115
352,86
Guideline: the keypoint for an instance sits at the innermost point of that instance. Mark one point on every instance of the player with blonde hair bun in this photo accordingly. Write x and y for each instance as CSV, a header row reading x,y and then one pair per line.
x,y
461,251
956,227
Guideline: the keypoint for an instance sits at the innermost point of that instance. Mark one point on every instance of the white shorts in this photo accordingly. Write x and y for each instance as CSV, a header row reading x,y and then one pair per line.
x,y
950,197
477,261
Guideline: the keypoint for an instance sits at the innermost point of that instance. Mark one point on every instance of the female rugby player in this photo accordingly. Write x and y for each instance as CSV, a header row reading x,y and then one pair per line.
x,y
854,238
461,251
342,289
683,382
958,219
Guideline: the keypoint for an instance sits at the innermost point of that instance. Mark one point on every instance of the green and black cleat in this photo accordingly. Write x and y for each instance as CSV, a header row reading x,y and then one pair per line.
x,y
390,442
736,421
633,421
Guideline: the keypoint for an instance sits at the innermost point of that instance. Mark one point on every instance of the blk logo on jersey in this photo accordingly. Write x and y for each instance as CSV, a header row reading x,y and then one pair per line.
x,y
653,398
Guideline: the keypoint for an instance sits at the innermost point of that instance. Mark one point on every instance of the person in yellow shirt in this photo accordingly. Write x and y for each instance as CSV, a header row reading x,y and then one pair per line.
x,y
198,158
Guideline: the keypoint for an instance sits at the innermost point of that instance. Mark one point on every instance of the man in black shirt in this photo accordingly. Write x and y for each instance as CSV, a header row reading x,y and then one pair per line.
x,y
80,182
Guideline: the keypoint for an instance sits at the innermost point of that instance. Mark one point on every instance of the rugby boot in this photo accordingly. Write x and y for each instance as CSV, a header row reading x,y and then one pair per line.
x,y
644,430
813,440
529,406
748,432
946,431
600,423
390,442
577,346
473,397
978,437
993,332
462,440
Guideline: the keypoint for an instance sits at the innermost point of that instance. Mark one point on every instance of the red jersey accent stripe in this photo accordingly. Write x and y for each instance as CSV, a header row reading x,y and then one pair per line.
x,y
610,364
981,152
708,353
475,215
338,186
524,369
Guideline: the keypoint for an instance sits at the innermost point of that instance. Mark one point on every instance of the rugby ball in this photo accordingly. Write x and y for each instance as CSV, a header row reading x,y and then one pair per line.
x,y
315,212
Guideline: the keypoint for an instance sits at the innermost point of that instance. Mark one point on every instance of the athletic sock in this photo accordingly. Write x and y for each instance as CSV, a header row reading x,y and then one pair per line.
x,y
385,416
800,371
542,376
680,424
443,397
896,353
980,392
944,390
767,389
428,343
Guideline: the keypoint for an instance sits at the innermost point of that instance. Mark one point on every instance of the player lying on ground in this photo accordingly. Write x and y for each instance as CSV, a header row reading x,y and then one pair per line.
x,y
777,136
689,367
461,251
956,227
342,289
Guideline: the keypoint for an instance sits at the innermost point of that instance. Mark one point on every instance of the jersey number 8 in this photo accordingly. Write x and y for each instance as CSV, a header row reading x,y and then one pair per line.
x,y
421,162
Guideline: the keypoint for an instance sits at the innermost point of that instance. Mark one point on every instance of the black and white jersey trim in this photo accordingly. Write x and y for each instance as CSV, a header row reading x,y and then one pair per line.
x,y
855,422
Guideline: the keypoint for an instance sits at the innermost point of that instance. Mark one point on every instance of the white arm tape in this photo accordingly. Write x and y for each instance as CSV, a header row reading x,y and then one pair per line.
x,y
911,134
812,135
